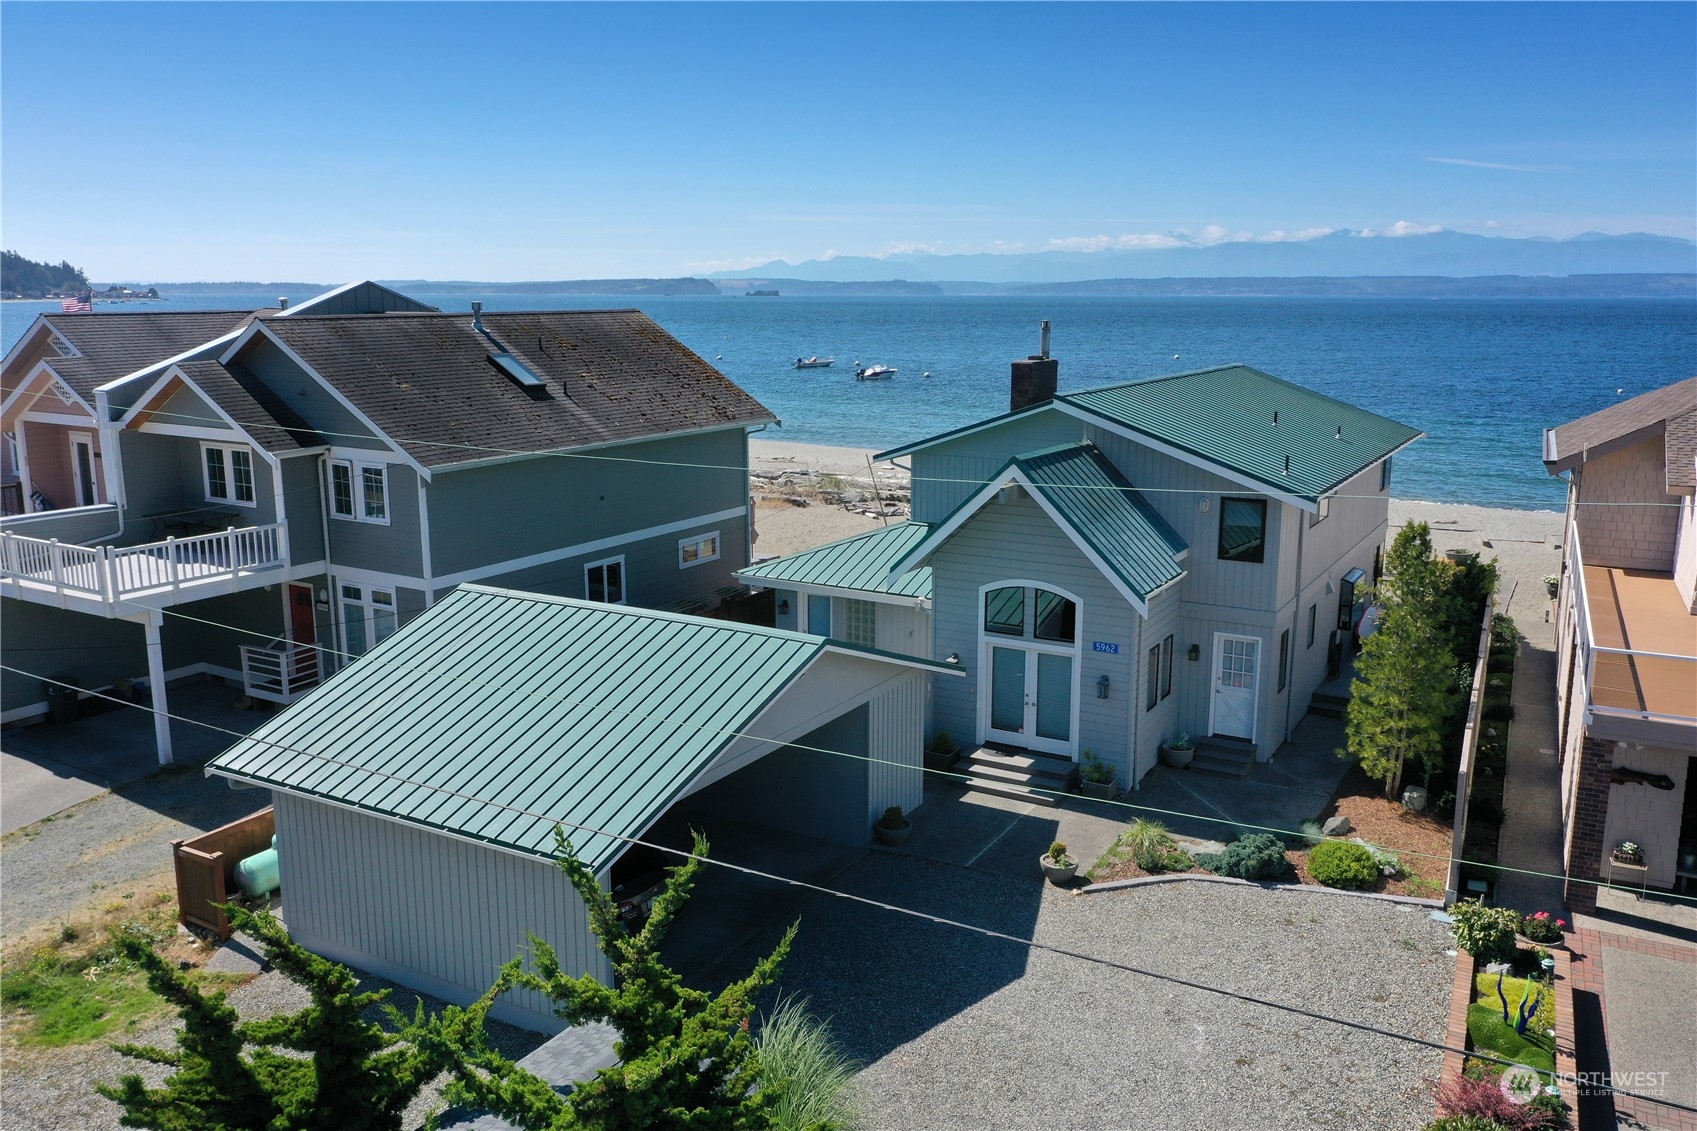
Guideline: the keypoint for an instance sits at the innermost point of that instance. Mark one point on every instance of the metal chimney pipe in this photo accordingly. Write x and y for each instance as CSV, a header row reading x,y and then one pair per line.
x,y
1045,352
282,302
476,314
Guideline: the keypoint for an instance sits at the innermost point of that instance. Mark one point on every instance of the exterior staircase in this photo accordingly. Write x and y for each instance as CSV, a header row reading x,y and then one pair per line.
x,y
1009,772
1229,757
1325,703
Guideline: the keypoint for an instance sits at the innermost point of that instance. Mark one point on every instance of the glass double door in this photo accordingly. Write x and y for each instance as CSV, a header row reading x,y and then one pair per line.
x,y
1031,697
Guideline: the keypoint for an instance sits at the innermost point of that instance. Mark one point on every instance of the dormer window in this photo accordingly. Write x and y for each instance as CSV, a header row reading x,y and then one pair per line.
x,y
228,474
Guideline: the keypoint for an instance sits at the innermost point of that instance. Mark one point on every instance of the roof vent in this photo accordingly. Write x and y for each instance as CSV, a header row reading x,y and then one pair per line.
x,y
1275,417
282,302
1287,465
1340,432
477,316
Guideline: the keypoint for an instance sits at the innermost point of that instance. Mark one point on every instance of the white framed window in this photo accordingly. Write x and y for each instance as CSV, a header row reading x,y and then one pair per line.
x,y
359,491
605,580
368,618
227,472
701,548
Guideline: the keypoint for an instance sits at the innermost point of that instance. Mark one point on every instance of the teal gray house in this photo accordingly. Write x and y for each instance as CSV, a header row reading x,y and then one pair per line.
x,y
1115,567
263,496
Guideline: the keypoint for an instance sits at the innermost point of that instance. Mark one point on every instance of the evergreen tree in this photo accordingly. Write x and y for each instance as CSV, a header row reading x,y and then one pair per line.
x,y
1403,690
687,1061
230,1075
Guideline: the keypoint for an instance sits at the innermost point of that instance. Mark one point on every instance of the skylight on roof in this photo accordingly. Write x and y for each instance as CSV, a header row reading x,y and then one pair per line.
x,y
517,370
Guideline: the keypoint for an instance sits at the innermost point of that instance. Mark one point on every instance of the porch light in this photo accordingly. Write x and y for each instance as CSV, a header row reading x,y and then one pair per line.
x,y
1102,687
954,658
783,608
1195,652
323,598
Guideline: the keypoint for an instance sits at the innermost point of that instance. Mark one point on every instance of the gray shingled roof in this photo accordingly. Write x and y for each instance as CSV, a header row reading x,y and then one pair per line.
x,y
427,381
273,425
1669,411
116,344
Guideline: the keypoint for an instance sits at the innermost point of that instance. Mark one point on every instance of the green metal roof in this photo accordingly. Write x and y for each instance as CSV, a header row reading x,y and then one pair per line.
x,y
1225,416
862,563
496,714
1096,505
1292,439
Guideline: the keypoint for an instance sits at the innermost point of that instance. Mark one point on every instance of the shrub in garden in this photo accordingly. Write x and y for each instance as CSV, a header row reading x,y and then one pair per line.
x,y
804,1067
1257,856
1481,1097
1343,864
1541,928
1487,933
1464,1123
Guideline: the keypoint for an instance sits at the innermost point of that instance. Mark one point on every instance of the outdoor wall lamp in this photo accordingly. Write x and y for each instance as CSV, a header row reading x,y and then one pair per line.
x,y
323,598
1102,688
954,658
1195,652
783,608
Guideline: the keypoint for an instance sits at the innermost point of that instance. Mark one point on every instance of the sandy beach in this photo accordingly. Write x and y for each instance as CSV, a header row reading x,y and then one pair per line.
x,y
1526,544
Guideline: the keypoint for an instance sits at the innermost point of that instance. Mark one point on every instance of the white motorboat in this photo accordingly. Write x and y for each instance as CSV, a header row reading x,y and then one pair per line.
x,y
815,362
875,373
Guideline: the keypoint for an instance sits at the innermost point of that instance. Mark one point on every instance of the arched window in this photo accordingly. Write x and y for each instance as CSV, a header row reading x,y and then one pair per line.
x,y
1031,613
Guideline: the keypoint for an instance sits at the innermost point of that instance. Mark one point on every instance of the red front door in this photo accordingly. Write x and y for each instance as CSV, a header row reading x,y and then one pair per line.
x,y
302,626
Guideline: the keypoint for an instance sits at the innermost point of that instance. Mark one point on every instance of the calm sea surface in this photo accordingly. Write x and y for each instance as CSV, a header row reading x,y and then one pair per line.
x,y
1482,377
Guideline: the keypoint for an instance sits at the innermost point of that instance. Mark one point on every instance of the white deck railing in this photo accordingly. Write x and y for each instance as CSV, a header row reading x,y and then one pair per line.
x,y
279,671
48,569
1588,648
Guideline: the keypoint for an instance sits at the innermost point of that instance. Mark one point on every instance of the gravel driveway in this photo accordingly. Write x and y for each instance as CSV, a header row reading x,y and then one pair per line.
x,y
960,1031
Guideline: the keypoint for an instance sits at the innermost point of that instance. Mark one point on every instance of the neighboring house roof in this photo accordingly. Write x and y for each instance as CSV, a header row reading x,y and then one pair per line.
x,y
114,345
497,714
428,382
265,416
1670,411
1225,418
1098,508
861,563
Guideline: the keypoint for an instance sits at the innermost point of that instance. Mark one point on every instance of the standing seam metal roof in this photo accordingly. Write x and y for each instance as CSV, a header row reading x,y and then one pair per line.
x,y
1108,513
1252,422
862,562
496,701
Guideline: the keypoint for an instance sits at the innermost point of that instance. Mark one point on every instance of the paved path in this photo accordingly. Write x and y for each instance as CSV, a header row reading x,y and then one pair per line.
x,y
47,768
1636,997
1531,833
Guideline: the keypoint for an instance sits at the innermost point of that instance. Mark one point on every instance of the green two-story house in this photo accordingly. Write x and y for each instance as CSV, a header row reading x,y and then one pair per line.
x,y
275,499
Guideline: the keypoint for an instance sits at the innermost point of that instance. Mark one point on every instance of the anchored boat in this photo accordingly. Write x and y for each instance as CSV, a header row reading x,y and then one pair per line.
x,y
875,373
815,362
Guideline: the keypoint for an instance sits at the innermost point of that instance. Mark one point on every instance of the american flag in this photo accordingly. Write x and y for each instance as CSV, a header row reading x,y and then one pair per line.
x,y
82,304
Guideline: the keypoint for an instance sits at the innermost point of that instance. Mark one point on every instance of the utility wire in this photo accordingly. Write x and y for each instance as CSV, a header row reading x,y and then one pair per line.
x,y
894,908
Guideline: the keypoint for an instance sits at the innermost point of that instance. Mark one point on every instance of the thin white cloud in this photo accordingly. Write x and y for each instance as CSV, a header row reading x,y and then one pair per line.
x,y
1115,243
1399,229
1504,166
1210,235
1303,236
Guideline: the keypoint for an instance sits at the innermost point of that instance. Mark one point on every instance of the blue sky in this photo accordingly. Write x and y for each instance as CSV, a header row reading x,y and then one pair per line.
x,y
519,141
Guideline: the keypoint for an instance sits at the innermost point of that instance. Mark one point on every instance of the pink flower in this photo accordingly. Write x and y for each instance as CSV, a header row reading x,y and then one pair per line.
x,y
1561,922
1542,915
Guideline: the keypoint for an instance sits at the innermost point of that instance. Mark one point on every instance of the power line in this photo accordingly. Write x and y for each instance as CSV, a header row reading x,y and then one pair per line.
x,y
986,932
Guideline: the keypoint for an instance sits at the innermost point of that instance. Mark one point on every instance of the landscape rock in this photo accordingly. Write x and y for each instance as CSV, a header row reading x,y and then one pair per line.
x,y
1337,826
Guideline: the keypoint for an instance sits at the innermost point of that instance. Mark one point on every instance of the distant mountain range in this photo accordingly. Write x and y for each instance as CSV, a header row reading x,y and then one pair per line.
x,y
1342,254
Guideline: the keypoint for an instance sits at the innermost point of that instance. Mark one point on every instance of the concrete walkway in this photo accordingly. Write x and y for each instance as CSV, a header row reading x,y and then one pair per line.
x,y
1531,831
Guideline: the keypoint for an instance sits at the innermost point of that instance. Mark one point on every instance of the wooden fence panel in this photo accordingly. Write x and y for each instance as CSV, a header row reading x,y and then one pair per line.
x,y
206,868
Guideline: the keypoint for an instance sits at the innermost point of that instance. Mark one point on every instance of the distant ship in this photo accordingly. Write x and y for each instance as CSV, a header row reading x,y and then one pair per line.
x,y
760,294
875,373
815,362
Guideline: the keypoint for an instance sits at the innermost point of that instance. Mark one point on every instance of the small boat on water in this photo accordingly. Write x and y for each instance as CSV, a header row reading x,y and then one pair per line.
x,y
875,373
815,362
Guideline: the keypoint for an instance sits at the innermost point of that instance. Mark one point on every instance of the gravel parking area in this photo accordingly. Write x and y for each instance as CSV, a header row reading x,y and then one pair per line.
x,y
960,1031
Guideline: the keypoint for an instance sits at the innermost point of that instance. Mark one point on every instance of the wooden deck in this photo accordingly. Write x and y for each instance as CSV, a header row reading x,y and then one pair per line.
x,y
1640,611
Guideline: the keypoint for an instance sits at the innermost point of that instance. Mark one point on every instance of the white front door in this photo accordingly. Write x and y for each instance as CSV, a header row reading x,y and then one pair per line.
x,y
1030,697
82,469
1237,660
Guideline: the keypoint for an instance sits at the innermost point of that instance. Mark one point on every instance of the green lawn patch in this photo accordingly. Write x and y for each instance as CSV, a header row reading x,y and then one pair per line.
x,y
70,1001
1491,1034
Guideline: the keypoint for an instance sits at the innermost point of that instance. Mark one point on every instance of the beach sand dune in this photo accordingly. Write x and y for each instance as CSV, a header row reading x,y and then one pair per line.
x,y
1526,544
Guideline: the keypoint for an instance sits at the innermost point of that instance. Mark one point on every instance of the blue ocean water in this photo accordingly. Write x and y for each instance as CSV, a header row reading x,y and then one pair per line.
x,y
1482,377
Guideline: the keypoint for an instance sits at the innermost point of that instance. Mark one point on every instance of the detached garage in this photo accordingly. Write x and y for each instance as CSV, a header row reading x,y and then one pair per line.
x,y
418,790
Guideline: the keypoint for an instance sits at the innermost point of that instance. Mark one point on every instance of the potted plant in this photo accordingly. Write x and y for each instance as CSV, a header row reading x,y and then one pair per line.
x,y
893,827
942,752
1096,778
1629,854
1057,865
1542,927
1178,752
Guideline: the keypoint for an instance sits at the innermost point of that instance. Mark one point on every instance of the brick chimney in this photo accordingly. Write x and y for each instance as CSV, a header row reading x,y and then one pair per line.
x,y
1035,378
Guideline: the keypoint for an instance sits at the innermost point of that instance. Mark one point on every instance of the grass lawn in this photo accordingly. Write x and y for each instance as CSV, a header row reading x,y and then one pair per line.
x,y
1490,1033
